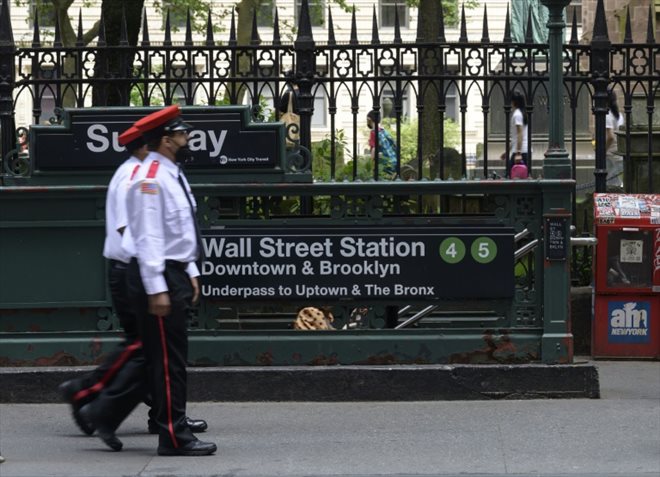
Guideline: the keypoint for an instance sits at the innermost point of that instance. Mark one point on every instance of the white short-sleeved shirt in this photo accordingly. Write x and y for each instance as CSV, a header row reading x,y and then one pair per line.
x,y
161,221
115,210
613,123
518,120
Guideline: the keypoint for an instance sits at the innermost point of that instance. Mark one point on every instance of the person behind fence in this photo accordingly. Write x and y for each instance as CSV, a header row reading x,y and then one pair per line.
x,y
163,276
613,121
386,146
517,165
288,108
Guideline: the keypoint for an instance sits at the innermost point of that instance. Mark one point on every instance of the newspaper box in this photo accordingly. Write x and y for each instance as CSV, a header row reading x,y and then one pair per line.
x,y
626,320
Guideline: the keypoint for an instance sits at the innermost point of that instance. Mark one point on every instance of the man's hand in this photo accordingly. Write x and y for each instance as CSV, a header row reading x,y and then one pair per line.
x,y
195,286
159,304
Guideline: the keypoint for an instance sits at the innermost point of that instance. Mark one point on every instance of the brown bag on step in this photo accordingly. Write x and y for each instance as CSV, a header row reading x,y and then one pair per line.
x,y
293,134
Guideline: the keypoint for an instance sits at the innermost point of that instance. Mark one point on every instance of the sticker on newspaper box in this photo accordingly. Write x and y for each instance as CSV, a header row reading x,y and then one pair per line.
x,y
606,211
629,322
631,251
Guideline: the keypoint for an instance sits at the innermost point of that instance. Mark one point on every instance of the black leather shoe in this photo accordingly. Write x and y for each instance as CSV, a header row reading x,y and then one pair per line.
x,y
67,390
110,439
191,449
107,436
195,425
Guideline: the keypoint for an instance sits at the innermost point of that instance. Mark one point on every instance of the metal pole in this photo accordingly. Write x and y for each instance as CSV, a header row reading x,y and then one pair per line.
x,y
7,81
556,164
600,78
557,340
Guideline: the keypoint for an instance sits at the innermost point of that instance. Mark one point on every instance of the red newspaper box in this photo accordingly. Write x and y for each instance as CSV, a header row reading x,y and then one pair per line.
x,y
626,321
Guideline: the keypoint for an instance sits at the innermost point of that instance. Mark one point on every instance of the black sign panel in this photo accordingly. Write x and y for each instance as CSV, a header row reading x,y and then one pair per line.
x,y
375,263
223,138
556,237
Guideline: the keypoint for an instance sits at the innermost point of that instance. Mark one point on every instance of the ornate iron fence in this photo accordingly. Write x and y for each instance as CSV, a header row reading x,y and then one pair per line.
x,y
393,77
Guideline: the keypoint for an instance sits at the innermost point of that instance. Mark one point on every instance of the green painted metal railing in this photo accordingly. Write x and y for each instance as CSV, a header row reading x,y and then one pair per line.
x,y
55,308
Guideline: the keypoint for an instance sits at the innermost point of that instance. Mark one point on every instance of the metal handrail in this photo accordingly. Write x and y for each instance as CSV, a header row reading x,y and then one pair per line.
x,y
518,254
417,316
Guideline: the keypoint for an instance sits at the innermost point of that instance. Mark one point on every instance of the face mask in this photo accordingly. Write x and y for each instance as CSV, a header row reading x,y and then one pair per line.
x,y
184,155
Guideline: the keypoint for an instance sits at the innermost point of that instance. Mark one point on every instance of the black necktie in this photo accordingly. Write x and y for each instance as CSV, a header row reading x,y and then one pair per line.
x,y
200,249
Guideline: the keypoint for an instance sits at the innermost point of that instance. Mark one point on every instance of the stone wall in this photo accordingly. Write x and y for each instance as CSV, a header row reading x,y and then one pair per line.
x,y
615,11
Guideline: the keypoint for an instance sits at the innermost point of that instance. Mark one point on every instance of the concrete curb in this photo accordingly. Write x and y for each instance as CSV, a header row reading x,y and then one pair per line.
x,y
342,383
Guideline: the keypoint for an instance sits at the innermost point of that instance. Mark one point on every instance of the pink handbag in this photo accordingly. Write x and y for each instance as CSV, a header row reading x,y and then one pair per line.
x,y
519,171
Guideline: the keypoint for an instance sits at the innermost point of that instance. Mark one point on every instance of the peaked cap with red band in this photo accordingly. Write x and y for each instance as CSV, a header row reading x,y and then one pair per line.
x,y
131,138
162,123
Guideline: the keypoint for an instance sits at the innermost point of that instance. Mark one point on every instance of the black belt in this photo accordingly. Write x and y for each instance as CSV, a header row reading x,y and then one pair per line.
x,y
175,264
118,264
168,263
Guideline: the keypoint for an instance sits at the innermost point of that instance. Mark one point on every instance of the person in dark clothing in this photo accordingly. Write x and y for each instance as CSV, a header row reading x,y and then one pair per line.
x,y
291,89
83,390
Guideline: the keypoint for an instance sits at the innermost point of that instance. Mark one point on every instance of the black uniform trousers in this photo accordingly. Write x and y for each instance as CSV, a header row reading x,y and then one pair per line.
x,y
120,381
165,342
91,384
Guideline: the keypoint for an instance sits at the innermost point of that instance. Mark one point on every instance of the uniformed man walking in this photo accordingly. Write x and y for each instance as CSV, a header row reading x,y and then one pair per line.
x,y
81,391
102,399
162,279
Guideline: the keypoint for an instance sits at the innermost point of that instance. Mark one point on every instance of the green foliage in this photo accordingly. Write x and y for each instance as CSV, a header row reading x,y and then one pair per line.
x,y
344,164
321,154
199,10
409,135
450,9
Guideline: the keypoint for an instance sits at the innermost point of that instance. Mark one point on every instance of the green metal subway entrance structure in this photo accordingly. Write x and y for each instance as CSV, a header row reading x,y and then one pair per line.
x,y
364,244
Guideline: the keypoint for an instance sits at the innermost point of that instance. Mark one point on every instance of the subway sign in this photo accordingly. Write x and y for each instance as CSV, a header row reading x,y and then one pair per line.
x,y
223,138
358,263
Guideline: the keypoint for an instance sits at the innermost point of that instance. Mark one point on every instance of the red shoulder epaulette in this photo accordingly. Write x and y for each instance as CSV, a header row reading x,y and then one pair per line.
x,y
153,169
135,169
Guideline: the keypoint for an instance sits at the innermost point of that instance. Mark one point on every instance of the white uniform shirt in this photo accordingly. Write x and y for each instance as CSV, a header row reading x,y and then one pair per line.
x,y
517,120
161,221
115,210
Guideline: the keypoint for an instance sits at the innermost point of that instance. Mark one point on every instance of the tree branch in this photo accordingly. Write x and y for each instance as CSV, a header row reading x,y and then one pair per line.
x,y
92,33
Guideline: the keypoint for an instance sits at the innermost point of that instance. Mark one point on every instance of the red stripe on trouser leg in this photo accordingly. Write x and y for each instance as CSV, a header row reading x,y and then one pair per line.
x,y
123,357
166,369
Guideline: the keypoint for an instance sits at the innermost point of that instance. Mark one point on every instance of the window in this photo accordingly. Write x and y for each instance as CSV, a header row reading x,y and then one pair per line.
x,y
316,12
320,109
574,8
45,11
387,13
266,13
451,103
178,14
388,102
45,94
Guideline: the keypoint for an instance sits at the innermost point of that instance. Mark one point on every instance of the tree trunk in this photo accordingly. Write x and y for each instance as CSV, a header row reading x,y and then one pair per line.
x,y
115,63
245,10
430,120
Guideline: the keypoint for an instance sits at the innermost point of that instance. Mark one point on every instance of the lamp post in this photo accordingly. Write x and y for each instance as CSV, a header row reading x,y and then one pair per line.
x,y
557,340
557,164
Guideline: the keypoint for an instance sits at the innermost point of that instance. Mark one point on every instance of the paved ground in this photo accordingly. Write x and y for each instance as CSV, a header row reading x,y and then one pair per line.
x,y
618,435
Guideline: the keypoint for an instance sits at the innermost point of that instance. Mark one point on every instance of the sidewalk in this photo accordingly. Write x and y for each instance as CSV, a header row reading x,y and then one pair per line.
x,y
617,435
